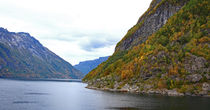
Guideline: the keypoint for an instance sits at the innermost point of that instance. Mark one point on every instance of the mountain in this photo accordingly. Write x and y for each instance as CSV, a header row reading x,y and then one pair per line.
x,y
86,66
22,56
166,52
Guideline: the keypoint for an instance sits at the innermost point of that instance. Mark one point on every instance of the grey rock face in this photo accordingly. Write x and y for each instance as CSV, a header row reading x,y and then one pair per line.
x,y
174,93
206,87
194,64
194,78
153,72
125,87
152,21
207,76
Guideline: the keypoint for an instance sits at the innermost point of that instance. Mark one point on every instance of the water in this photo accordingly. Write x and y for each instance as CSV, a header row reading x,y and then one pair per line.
x,y
53,95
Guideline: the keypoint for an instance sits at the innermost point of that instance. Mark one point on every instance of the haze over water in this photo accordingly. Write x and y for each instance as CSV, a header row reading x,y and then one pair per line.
x,y
53,95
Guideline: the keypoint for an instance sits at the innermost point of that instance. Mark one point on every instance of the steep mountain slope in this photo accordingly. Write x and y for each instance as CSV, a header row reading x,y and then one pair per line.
x,y
166,52
22,56
86,66
151,21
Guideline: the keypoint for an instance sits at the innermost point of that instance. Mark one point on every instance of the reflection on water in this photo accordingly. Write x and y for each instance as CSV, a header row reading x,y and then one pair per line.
x,y
52,95
17,102
33,93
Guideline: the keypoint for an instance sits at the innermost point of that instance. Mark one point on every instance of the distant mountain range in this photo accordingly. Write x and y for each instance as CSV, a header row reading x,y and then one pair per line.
x,y
22,56
86,66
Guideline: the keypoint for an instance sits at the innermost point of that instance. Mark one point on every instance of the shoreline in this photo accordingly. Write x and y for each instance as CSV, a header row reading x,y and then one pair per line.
x,y
161,92
44,79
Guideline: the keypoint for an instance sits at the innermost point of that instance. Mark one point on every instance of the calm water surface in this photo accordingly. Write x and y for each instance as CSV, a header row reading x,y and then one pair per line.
x,y
52,95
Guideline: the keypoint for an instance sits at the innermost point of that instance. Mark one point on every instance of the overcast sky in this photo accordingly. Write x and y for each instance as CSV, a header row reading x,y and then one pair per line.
x,y
76,30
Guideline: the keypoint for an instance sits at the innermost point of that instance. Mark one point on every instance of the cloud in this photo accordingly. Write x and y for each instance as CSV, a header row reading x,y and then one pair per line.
x,y
96,41
76,30
85,41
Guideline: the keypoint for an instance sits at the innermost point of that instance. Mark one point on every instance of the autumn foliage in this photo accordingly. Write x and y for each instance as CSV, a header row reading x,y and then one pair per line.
x,y
185,33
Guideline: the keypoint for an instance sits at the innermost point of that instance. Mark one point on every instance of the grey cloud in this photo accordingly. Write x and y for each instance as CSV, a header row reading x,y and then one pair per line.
x,y
86,41
98,41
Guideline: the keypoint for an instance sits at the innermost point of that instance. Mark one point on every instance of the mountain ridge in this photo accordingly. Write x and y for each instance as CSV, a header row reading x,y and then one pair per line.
x,y
87,66
21,55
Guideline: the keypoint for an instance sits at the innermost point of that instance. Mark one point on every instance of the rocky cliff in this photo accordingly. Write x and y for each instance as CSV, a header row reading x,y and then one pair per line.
x,y
151,21
166,52
22,56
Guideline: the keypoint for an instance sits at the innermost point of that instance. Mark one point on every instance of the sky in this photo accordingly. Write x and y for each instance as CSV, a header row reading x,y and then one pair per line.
x,y
76,30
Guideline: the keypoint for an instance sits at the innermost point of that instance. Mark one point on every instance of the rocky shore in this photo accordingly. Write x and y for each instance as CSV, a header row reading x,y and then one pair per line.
x,y
165,92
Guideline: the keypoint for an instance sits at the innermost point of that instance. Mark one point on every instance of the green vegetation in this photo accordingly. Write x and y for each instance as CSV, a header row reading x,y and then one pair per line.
x,y
165,53
150,11
29,59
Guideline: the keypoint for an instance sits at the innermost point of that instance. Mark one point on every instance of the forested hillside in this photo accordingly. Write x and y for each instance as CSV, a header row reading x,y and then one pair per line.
x,y
166,52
